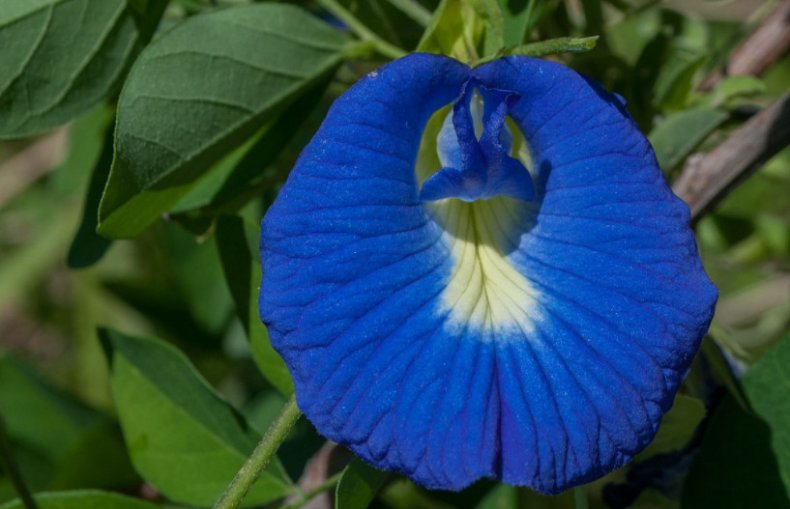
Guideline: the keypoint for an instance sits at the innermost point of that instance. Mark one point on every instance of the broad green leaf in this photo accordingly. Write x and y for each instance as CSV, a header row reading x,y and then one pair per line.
x,y
490,15
643,79
83,499
59,442
236,241
677,426
467,30
59,58
517,17
358,485
734,87
198,276
189,100
767,385
680,133
675,80
88,247
628,37
744,460
720,369
445,34
182,437
242,174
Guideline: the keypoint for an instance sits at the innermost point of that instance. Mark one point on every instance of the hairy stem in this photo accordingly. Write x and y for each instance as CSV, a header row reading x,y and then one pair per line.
x,y
260,457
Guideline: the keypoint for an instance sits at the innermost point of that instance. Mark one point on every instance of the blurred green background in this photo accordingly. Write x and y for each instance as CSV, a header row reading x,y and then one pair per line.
x,y
189,279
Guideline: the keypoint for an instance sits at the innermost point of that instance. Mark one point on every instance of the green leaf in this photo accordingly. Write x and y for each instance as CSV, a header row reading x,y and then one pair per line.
x,y
59,58
629,36
675,80
236,241
745,455
553,47
88,247
767,385
201,90
60,443
198,276
720,369
238,177
517,20
83,499
358,485
734,87
467,30
490,16
182,437
677,426
679,133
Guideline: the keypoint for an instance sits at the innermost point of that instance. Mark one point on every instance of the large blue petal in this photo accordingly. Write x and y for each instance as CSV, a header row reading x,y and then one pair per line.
x,y
625,299
353,266
556,386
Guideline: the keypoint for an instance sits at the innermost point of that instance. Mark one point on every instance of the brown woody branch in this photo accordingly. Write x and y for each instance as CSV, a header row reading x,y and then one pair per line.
x,y
761,49
707,178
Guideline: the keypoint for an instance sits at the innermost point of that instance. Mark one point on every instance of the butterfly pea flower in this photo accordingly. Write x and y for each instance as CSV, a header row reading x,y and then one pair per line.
x,y
481,272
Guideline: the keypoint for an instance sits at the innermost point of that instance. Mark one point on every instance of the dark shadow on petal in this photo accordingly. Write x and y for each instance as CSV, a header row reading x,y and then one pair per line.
x,y
616,100
512,219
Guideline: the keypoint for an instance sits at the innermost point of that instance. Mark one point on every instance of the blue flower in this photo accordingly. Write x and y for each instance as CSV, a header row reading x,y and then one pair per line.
x,y
482,273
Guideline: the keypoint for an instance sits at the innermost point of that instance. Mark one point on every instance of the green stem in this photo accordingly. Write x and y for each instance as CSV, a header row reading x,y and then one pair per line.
x,y
260,457
11,470
414,10
311,494
359,28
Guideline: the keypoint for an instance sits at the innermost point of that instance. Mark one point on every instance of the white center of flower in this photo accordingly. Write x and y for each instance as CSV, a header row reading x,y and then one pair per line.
x,y
484,290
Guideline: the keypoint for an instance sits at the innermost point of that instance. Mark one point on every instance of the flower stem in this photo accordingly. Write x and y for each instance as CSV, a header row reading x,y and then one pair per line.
x,y
414,10
10,469
359,28
260,457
